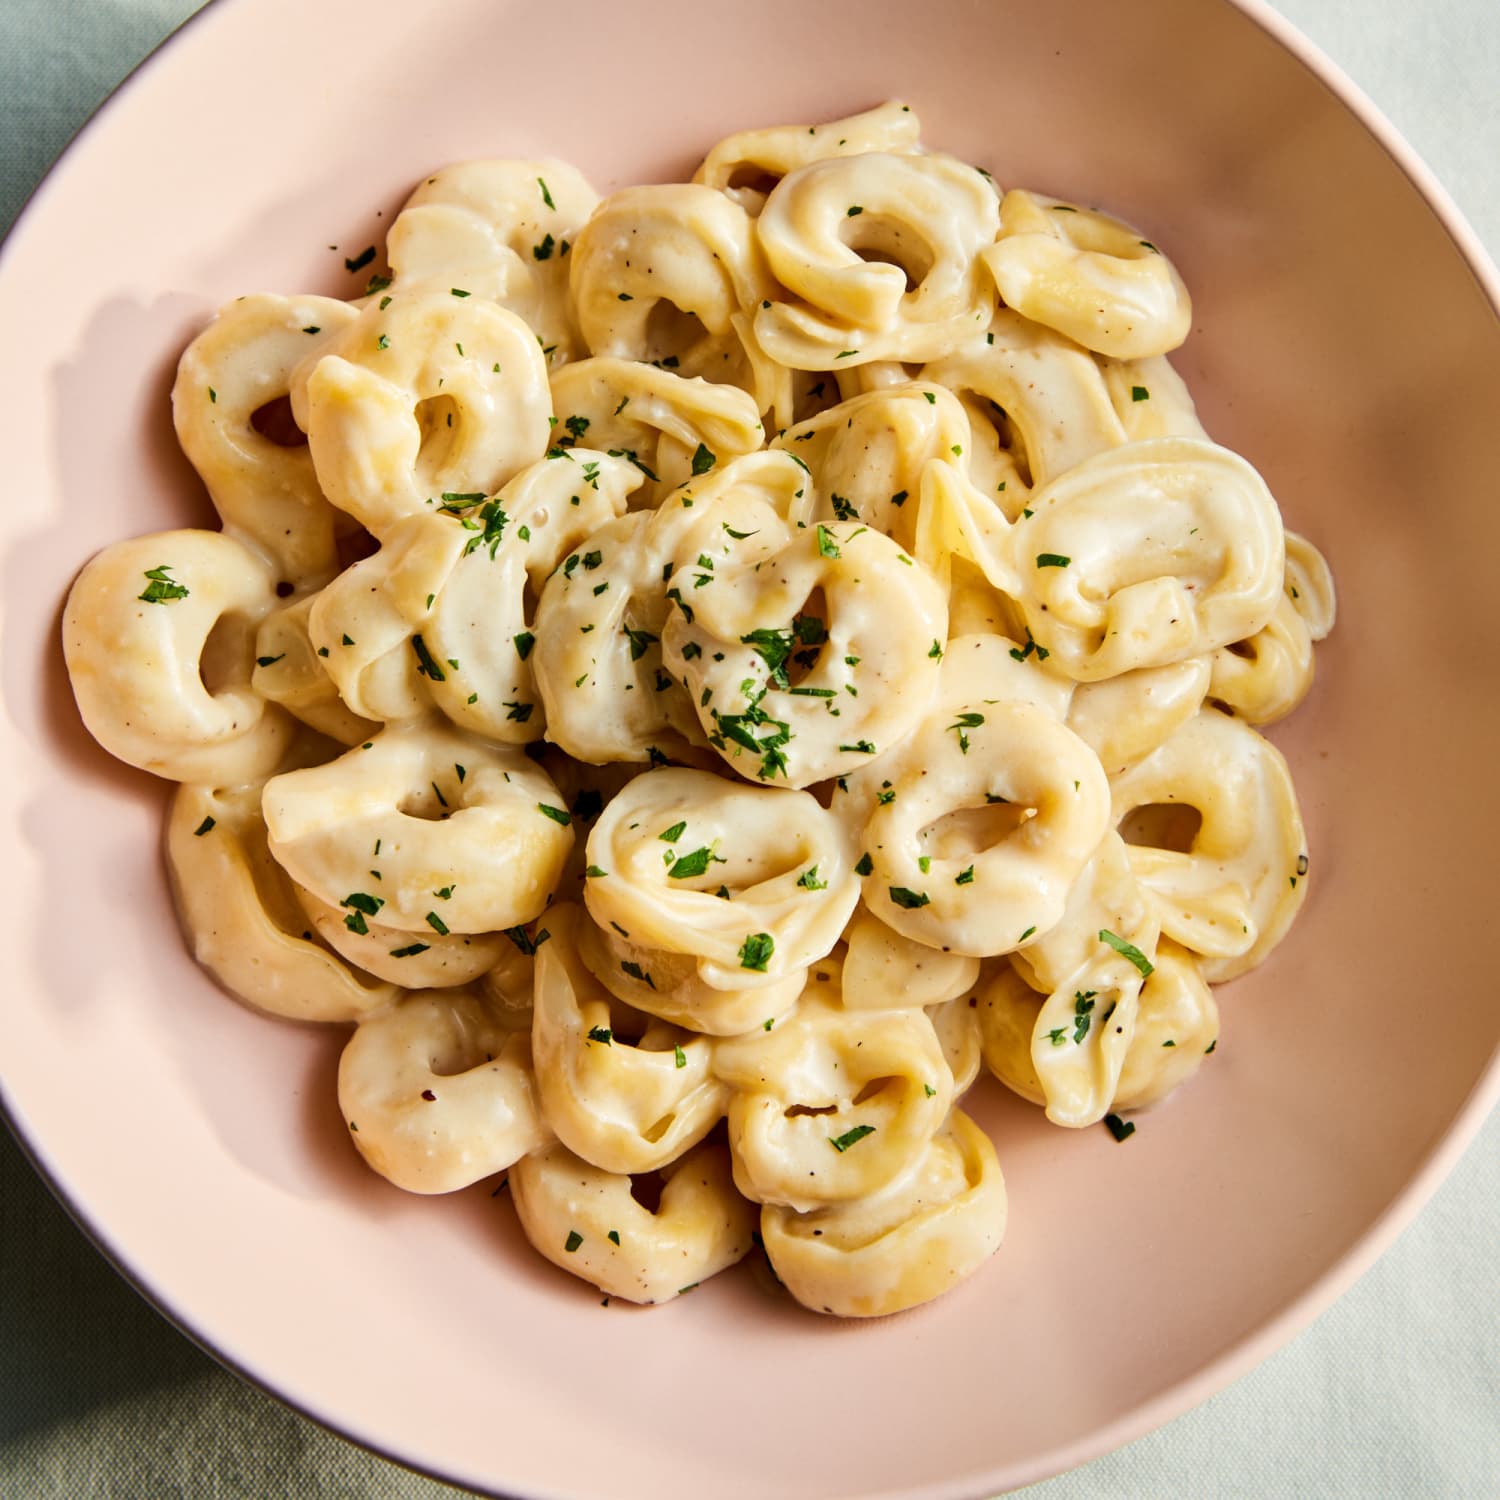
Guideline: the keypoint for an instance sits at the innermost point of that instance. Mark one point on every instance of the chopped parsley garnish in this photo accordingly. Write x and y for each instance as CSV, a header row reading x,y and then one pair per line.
x,y
383,342
1128,951
207,825
865,865
704,459
361,260
437,924
859,747
756,951
1052,560
636,972
519,712
544,250
410,951
1020,653
910,900
268,661
547,199
1026,934
639,640
964,723
426,666
1058,1035
630,452
672,834
1139,393
601,1034
964,877
523,643
1120,1129
595,873
855,210
680,1058
524,941
557,814
936,650
842,1143
161,588
573,1241
695,863
843,510
827,547
809,881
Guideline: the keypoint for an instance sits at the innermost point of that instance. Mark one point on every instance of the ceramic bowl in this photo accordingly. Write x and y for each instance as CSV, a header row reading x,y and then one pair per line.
x,y
1345,340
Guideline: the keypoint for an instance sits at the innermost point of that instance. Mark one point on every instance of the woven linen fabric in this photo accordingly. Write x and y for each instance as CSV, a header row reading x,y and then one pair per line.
x,y
1394,1392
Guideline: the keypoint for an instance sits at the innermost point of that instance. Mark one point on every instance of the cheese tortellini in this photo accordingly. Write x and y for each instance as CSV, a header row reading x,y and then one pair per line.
x,y
694,677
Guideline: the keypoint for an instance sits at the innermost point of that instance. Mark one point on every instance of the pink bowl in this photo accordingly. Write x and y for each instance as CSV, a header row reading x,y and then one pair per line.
x,y
1347,343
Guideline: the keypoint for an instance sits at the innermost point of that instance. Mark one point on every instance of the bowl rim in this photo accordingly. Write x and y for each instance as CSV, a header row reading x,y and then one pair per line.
x,y
1218,1372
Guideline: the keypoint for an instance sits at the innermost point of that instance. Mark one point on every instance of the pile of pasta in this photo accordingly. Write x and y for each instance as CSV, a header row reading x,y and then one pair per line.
x,y
695,677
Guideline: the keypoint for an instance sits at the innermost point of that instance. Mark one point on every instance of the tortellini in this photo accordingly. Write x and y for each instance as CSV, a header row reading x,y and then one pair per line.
x,y
695,678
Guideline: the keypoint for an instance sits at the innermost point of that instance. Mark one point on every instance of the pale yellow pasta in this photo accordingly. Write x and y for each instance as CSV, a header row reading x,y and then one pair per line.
x,y
765,648
831,1105
502,230
438,1092
883,968
425,393
1088,276
786,689
241,917
912,1241
669,427
1231,894
671,985
466,837
624,1104
751,880
159,637
263,489
746,166
437,961
289,671
921,220
670,275
589,1223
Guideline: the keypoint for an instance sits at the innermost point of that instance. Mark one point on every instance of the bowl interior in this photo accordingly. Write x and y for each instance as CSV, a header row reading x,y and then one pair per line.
x,y
1341,343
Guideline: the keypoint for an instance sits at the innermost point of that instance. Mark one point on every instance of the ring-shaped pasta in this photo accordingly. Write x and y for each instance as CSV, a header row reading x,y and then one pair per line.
x,y
424,394
1309,582
1046,391
884,970
668,274
590,1223
1264,678
914,1240
1145,555
670,986
625,1106
159,637
1175,1026
439,960
599,660
1088,276
441,613
1151,399
832,1105
789,690
669,427
867,454
264,490
439,1092
503,230
749,880
746,166
923,219
241,917
1230,896
926,878
434,811
289,671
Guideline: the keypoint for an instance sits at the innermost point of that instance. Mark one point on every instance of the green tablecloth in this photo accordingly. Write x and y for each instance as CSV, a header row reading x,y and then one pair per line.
x,y
1393,1392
